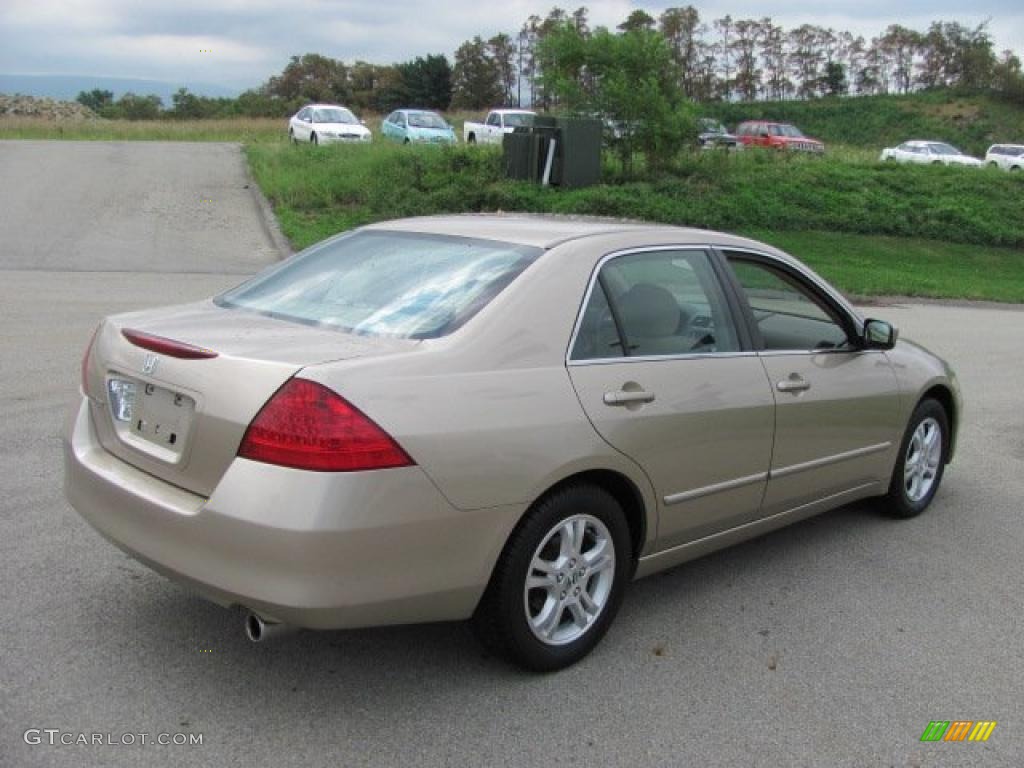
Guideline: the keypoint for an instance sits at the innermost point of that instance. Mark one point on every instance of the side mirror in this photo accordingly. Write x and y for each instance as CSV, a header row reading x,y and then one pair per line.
x,y
879,334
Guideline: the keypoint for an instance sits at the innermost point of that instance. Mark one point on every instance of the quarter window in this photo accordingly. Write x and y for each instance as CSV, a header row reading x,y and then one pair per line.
x,y
788,314
655,304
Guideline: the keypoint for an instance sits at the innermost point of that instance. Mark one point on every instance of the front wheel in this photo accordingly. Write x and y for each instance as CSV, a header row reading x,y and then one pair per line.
x,y
560,580
922,459
313,139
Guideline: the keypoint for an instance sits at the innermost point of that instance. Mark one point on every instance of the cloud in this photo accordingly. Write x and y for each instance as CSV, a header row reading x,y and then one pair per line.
x,y
250,40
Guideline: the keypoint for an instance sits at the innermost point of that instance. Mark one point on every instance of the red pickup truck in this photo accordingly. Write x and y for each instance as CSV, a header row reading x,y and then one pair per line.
x,y
761,133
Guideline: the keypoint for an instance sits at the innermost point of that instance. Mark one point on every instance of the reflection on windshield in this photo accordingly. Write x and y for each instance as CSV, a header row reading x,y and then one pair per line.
x,y
386,283
944,149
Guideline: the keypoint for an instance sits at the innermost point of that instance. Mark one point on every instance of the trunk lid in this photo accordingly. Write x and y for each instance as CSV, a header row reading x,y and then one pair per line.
x,y
183,419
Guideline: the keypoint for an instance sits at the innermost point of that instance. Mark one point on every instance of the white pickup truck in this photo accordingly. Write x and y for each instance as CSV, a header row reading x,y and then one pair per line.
x,y
498,123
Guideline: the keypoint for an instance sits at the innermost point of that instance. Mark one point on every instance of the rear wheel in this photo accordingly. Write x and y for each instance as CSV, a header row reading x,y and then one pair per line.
x,y
559,581
471,139
313,139
921,462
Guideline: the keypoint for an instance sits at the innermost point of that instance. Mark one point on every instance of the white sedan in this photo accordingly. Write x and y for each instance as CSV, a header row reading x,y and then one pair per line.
x,y
1009,157
326,123
928,153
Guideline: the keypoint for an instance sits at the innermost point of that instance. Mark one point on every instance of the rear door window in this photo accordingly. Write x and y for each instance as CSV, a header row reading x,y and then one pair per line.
x,y
658,303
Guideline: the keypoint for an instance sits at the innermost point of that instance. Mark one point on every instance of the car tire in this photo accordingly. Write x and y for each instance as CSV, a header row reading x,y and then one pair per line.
x,y
406,140
574,546
471,139
313,139
921,461
936,162
291,136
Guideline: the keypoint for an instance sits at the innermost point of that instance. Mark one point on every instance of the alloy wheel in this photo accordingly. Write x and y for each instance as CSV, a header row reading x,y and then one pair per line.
x,y
569,580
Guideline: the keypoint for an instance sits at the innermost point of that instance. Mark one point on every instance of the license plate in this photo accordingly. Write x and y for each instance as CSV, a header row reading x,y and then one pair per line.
x,y
156,415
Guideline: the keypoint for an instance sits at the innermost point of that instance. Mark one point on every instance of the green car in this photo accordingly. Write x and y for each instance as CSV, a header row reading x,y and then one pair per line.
x,y
417,126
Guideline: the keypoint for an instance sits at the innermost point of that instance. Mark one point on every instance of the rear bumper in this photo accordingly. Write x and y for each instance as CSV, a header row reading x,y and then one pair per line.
x,y
319,550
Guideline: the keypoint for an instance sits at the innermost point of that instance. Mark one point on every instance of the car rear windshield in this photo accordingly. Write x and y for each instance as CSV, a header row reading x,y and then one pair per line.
x,y
378,283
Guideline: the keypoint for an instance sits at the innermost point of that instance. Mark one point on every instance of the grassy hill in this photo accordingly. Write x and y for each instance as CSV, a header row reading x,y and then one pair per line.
x,y
873,228
970,122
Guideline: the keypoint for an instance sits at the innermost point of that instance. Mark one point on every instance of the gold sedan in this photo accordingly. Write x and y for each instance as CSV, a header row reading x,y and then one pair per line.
x,y
503,418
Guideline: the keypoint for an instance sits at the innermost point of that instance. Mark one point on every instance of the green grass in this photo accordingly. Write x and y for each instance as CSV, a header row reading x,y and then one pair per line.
x,y
871,228
241,129
871,265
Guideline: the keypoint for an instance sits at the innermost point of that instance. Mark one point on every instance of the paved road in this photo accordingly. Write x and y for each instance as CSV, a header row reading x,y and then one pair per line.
x,y
129,206
873,627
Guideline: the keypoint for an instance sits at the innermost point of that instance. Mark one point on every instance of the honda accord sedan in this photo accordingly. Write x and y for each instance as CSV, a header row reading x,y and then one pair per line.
x,y
494,417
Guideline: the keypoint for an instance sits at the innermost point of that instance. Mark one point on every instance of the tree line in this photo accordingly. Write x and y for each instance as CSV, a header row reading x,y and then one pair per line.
x,y
724,59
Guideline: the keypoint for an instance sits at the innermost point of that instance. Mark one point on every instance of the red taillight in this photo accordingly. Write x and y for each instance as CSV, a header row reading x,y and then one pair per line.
x,y
307,426
85,362
166,346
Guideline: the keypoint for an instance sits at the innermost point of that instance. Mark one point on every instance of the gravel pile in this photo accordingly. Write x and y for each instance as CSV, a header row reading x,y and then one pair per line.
x,y
47,109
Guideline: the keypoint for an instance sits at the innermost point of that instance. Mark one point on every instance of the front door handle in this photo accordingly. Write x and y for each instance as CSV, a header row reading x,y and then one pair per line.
x,y
628,397
795,383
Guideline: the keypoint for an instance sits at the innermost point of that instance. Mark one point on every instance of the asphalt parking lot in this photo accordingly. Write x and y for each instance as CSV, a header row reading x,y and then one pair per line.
x,y
830,643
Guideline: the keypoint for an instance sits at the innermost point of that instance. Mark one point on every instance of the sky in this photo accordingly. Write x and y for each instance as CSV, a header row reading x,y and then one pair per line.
x,y
241,43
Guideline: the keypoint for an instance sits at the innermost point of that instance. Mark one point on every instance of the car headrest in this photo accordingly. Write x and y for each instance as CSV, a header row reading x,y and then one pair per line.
x,y
649,311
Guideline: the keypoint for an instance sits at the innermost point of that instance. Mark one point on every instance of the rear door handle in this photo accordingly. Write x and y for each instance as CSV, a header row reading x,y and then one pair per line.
x,y
795,383
626,397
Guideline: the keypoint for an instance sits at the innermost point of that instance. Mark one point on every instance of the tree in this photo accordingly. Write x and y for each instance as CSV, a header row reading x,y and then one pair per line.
x,y
834,82
900,44
476,79
133,107
745,43
1008,79
805,58
773,56
427,82
724,26
97,100
502,52
637,21
682,28
311,77
632,81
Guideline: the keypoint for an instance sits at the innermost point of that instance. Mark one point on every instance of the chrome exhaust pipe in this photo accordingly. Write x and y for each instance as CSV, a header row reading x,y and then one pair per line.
x,y
259,629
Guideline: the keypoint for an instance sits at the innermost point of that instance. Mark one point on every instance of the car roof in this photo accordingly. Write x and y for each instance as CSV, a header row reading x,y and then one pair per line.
x,y
325,106
548,231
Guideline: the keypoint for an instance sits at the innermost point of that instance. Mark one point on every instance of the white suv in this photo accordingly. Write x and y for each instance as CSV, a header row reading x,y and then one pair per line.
x,y
1009,157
